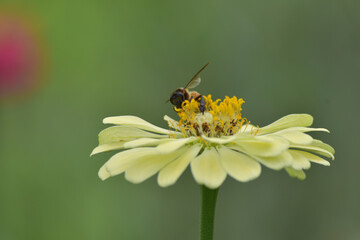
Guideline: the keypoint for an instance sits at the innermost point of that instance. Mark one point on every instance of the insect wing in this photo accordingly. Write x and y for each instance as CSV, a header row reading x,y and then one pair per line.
x,y
196,79
193,83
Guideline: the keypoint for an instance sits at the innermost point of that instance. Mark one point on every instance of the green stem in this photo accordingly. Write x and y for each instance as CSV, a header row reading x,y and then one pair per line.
x,y
208,203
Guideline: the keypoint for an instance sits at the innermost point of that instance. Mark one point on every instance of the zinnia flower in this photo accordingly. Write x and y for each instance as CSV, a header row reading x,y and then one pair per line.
x,y
216,143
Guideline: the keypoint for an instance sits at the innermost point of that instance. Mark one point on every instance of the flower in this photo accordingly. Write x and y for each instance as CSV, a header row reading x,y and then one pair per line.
x,y
215,143
22,57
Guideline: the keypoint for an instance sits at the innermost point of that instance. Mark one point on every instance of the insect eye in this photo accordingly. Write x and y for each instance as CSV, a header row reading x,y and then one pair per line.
x,y
177,98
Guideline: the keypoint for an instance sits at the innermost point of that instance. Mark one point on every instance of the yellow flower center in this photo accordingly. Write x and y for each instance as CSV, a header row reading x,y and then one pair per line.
x,y
220,118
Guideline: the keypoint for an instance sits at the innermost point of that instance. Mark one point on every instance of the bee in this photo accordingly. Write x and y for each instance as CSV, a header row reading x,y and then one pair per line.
x,y
182,94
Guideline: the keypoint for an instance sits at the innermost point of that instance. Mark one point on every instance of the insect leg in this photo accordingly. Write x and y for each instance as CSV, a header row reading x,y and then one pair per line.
x,y
202,103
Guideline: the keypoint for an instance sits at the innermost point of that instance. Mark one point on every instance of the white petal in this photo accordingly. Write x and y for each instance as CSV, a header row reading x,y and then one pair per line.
x,y
174,144
172,123
145,167
223,140
316,150
305,129
238,165
320,144
108,147
121,133
171,173
295,137
103,174
299,174
314,158
292,120
136,122
247,128
299,161
276,162
207,169
144,142
121,161
265,146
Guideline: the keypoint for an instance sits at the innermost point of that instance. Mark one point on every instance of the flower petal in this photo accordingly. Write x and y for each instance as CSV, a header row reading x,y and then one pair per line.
x,y
120,133
144,142
299,160
305,129
316,150
223,140
314,158
145,167
320,144
174,144
248,128
265,146
238,165
296,137
276,162
299,174
292,120
171,173
207,169
122,160
103,173
172,123
136,122
108,147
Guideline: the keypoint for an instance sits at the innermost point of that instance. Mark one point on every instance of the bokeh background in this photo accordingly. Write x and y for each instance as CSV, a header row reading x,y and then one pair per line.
x,y
106,58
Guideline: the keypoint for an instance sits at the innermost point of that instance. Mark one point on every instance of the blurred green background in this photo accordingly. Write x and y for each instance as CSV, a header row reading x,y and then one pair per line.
x,y
111,58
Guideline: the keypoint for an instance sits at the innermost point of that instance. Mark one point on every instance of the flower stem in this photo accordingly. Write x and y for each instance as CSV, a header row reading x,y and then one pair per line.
x,y
208,203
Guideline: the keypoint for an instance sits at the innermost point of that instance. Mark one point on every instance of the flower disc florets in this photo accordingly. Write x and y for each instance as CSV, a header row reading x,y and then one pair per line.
x,y
221,118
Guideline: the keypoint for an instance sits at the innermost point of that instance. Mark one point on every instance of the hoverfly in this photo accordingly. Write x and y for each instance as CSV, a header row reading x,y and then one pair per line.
x,y
182,94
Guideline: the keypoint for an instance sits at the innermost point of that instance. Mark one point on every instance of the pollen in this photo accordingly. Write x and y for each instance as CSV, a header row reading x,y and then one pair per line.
x,y
220,118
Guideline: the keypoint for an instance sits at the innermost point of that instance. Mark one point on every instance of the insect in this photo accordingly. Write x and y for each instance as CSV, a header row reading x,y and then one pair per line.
x,y
182,94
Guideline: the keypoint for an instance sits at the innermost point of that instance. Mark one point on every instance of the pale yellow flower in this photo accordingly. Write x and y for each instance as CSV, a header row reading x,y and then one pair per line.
x,y
216,143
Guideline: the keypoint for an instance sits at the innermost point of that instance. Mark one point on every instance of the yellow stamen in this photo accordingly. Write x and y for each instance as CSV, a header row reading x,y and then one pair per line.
x,y
220,118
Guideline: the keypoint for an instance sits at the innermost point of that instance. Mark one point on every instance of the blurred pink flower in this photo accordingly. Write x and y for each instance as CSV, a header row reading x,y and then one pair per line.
x,y
21,56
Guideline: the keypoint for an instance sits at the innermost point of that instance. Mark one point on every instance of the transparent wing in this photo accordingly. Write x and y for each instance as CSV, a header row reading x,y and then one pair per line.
x,y
193,83
196,79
